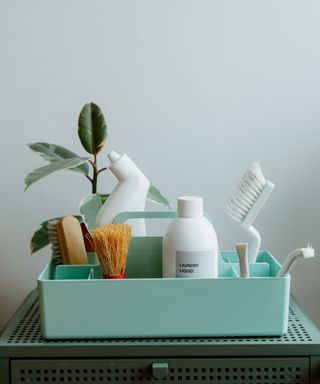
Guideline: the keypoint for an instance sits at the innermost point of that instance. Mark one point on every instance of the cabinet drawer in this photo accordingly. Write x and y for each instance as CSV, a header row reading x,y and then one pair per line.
x,y
130,371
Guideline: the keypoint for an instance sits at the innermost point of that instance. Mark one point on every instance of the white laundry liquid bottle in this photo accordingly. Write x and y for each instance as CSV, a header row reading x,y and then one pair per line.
x,y
190,245
129,194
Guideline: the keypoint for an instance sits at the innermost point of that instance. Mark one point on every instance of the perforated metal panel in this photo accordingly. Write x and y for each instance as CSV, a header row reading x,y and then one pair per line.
x,y
256,371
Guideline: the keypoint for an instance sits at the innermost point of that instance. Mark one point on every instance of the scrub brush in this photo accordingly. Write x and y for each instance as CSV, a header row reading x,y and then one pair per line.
x,y
111,243
67,244
300,253
246,202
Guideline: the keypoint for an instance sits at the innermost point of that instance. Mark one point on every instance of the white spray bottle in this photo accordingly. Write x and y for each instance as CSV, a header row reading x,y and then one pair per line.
x,y
129,194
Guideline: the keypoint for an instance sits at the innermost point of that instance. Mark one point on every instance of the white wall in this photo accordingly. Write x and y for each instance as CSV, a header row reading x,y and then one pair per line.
x,y
192,90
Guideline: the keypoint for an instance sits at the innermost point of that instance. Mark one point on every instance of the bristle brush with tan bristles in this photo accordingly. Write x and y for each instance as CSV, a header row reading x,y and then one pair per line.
x,y
111,243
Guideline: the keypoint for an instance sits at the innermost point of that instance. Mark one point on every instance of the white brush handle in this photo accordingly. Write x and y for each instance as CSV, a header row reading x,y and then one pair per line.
x,y
254,243
259,203
303,253
287,265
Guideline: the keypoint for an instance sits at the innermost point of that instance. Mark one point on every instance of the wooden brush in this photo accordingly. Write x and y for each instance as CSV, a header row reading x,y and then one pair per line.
x,y
72,246
67,242
111,243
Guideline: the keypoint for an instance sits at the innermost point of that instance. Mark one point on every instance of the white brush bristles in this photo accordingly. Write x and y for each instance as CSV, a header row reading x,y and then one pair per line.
x,y
249,189
307,252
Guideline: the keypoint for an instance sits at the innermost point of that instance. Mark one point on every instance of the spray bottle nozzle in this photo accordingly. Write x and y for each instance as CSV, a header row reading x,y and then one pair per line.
x,y
113,156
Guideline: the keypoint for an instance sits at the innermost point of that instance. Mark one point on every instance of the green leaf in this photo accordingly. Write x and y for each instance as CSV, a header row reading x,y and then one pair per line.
x,y
41,172
53,152
89,208
40,238
157,197
92,129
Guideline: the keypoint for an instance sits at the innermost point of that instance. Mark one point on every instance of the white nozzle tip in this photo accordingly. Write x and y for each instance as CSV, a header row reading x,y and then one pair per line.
x,y
113,156
308,252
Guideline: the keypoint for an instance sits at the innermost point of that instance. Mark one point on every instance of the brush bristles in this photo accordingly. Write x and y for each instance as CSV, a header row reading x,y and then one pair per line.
x,y
53,236
249,188
111,243
54,241
308,252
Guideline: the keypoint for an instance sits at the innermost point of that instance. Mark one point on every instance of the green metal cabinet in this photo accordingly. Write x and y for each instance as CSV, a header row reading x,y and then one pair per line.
x,y
25,357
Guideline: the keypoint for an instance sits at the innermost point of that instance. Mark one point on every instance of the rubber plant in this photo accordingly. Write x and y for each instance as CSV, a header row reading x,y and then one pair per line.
x,y
92,132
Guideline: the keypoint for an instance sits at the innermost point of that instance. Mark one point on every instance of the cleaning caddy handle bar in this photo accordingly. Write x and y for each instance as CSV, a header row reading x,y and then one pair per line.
x,y
124,216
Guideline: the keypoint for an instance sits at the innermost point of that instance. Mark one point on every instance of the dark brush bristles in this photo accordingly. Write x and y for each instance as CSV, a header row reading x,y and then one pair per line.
x,y
89,239
111,243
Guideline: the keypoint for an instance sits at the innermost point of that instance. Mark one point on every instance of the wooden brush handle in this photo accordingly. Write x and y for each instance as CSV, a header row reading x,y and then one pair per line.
x,y
72,246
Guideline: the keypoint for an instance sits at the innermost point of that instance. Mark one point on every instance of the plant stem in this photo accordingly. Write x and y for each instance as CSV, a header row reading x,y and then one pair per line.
x,y
95,174
102,169
94,178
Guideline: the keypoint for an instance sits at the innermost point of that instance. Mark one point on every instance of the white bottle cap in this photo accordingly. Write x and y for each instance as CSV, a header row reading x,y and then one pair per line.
x,y
190,206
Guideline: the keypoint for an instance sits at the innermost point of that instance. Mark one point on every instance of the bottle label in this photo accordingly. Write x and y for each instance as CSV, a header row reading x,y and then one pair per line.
x,y
195,263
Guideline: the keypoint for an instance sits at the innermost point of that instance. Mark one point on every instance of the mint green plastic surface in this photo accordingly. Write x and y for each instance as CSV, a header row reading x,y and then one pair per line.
x,y
75,302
